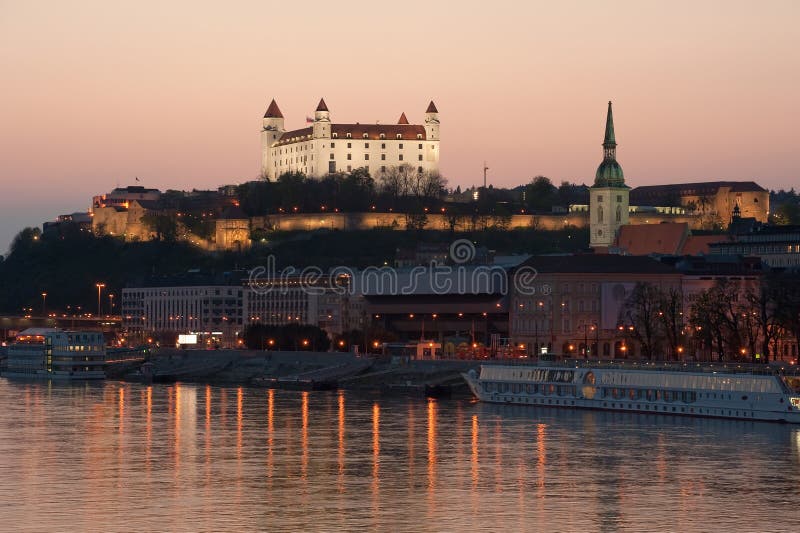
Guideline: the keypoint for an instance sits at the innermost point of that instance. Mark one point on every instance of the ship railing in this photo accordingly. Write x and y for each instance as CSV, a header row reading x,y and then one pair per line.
x,y
673,366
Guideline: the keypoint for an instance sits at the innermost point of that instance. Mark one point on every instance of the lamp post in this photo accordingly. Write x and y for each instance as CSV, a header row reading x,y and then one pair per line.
x,y
44,304
99,289
111,304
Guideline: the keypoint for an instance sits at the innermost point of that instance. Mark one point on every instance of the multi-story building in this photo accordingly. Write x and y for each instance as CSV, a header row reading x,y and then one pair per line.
x,y
326,147
777,246
573,305
49,353
213,312
325,302
122,196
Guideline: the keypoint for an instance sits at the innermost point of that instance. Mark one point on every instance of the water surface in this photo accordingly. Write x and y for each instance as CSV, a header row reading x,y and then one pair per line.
x,y
116,456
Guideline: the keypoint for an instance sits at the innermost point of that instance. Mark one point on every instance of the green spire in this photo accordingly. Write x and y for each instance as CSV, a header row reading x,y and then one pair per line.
x,y
609,140
609,173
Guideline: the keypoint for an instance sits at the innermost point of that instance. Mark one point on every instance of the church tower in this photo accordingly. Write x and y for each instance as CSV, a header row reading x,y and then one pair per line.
x,y
271,130
608,197
432,134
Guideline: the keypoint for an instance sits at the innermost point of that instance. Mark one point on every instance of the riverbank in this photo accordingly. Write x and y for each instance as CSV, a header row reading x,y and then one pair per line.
x,y
305,370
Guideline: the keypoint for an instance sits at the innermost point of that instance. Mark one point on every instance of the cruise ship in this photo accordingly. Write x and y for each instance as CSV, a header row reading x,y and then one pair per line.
x,y
49,353
749,393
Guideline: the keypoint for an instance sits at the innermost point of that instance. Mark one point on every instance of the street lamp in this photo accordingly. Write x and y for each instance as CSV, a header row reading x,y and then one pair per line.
x,y
44,304
99,289
111,304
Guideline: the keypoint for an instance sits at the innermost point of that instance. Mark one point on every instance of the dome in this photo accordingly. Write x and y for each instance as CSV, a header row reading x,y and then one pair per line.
x,y
609,174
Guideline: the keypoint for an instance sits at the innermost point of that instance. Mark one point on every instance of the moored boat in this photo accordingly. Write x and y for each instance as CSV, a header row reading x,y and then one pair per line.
x,y
752,393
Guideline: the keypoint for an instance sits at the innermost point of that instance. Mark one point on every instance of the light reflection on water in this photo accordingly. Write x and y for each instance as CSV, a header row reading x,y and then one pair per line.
x,y
118,456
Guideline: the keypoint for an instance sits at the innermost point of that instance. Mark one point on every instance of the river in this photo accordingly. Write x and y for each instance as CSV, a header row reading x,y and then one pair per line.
x,y
126,457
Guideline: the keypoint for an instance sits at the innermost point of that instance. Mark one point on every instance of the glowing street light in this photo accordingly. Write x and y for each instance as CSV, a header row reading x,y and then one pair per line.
x,y
99,289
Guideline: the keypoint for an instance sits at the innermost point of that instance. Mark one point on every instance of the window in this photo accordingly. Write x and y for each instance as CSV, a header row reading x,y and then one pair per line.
x,y
383,136
331,156
619,197
420,146
349,135
599,198
383,146
366,157
349,168
420,157
401,157
349,157
383,168
349,145
333,145
419,136
383,157
366,145
335,135
399,136
419,169
365,136
401,146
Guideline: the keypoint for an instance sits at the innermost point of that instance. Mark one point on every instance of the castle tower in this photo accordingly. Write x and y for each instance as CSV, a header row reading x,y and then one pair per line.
x,y
608,197
322,121
271,130
432,122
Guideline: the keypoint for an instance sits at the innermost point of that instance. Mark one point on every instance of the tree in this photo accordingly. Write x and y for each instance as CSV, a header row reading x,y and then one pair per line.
x,y
641,311
670,317
540,194
165,226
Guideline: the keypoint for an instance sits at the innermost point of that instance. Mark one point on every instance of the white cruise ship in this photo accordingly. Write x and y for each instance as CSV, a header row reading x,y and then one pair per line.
x,y
49,353
693,390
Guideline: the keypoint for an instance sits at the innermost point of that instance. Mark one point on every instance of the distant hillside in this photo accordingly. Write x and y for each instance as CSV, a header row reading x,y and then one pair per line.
x,y
68,265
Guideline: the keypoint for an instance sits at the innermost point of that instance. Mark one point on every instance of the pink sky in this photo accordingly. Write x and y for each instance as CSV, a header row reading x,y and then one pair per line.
x,y
97,92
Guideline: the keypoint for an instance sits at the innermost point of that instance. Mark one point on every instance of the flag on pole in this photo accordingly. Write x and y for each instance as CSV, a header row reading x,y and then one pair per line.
x,y
309,120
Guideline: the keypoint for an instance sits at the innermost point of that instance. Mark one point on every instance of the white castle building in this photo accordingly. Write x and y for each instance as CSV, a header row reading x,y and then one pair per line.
x,y
326,147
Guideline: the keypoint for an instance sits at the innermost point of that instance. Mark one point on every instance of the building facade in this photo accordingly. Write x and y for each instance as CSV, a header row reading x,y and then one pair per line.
x,y
777,246
213,312
326,147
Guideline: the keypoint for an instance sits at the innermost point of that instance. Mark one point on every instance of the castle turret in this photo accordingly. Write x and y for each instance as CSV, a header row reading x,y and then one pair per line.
x,y
271,130
609,197
432,122
322,121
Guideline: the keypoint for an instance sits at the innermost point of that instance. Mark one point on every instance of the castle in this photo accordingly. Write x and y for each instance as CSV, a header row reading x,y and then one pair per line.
x,y
326,147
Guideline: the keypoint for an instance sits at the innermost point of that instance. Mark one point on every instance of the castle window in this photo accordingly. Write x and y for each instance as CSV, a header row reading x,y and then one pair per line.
x,y
383,136
335,135
366,145
399,136
349,157
383,146
365,136
401,157
366,157
331,156
383,168
420,157
755,200
349,135
419,169
599,198
401,146
349,168
419,136
383,157
420,146
349,145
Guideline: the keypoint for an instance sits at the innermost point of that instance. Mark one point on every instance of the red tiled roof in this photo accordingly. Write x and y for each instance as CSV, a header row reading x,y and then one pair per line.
x,y
431,108
645,239
373,132
402,119
698,244
273,111
322,106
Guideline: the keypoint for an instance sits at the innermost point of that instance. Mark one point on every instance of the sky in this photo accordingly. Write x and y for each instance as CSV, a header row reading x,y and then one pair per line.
x,y
96,93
